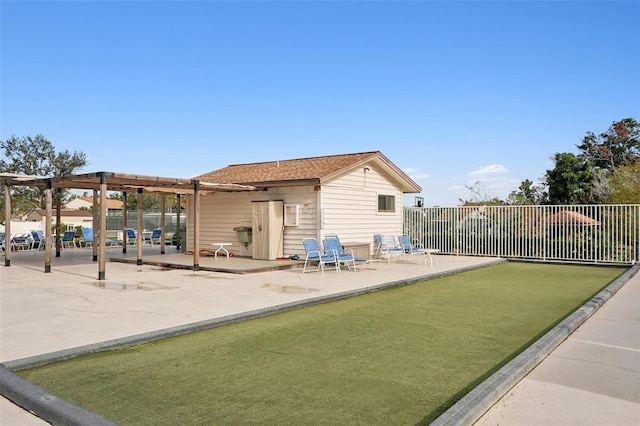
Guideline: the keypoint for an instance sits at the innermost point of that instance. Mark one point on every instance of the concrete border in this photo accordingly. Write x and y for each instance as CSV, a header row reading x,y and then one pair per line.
x,y
45,405
474,404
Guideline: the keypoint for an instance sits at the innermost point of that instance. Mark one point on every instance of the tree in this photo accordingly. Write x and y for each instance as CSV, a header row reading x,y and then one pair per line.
x,y
528,193
35,156
613,148
625,184
570,181
479,195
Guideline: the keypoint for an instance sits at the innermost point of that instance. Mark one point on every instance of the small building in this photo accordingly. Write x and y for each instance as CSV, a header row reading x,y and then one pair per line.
x,y
86,203
67,217
352,195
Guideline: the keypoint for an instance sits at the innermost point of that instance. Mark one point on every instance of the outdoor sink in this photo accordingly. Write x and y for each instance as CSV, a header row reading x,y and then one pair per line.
x,y
244,233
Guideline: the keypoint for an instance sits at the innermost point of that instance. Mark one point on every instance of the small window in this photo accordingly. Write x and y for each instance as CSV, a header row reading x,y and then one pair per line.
x,y
291,215
386,203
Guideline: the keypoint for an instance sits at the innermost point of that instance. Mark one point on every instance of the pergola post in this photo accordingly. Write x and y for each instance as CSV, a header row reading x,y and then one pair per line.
x,y
95,225
139,239
163,205
58,224
178,229
7,226
124,221
48,234
196,225
103,228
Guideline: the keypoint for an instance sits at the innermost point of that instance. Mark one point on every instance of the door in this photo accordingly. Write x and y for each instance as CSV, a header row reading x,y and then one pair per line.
x,y
268,230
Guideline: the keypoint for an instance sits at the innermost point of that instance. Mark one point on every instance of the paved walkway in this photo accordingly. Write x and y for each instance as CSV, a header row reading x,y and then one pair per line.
x,y
68,308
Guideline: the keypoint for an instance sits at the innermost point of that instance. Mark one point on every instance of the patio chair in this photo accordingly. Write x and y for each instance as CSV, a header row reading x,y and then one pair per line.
x,y
315,254
387,247
88,240
415,250
69,240
87,237
22,241
154,238
332,243
132,238
39,240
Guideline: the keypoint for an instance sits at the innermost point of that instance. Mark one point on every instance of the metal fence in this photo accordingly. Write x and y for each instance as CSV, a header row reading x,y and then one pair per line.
x,y
150,220
581,233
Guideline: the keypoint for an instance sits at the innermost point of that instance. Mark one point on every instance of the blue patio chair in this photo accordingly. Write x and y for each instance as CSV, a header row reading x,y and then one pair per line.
x,y
88,240
87,237
132,238
39,239
332,243
69,240
315,254
155,237
22,241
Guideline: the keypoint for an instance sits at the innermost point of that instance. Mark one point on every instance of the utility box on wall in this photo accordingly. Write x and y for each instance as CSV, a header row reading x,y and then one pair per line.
x,y
268,230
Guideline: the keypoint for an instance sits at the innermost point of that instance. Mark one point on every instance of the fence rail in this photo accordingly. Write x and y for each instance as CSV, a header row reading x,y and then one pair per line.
x,y
582,233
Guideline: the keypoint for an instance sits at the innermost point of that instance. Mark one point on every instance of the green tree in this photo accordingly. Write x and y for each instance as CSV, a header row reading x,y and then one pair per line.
x,y
528,193
625,184
613,148
35,156
570,181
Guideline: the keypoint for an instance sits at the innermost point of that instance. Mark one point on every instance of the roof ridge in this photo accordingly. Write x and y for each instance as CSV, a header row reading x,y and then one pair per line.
x,y
307,158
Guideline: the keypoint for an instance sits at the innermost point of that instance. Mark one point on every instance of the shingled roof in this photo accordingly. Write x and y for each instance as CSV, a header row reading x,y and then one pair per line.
x,y
111,203
306,171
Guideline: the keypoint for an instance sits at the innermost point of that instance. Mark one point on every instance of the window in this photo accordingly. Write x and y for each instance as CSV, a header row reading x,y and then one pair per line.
x,y
386,203
291,215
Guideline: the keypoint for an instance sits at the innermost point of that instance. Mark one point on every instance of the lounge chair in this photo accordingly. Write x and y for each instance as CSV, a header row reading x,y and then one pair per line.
x,y
69,240
387,247
154,238
22,241
87,237
414,250
332,243
39,240
132,238
315,254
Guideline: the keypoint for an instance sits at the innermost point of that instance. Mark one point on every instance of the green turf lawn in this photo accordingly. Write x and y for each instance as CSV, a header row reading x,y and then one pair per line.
x,y
399,356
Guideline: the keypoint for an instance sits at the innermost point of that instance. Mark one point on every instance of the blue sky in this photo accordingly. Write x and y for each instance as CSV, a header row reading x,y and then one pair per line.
x,y
452,92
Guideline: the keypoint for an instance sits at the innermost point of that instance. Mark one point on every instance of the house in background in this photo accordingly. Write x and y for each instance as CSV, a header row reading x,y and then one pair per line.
x,y
68,217
352,195
86,202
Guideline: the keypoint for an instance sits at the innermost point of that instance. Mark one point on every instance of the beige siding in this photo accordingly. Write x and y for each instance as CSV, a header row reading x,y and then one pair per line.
x,y
350,205
221,212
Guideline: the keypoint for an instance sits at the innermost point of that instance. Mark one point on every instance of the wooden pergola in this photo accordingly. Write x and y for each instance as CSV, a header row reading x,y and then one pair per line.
x,y
100,183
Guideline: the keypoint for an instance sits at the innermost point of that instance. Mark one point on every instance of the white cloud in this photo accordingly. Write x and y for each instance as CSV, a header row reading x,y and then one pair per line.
x,y
415,174
487,171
